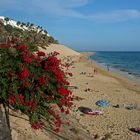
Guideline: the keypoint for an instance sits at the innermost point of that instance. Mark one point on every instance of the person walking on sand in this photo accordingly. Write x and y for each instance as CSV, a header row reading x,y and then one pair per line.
x,y
95,71
108,67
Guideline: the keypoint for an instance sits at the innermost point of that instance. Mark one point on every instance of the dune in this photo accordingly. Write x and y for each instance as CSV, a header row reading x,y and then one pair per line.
x,y
63,50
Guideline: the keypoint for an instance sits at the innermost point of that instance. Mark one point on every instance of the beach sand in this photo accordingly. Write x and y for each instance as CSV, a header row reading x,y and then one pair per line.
x,y
114,124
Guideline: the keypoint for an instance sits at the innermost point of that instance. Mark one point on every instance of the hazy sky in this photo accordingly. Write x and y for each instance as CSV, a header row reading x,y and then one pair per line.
x,y
82,24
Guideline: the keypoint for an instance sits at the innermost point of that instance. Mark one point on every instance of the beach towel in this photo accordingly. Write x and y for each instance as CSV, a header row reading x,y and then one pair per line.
x,y
136,130
130,106
89,111
94,113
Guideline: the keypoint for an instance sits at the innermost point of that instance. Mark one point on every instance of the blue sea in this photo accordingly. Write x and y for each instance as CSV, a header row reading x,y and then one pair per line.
x,y
126,63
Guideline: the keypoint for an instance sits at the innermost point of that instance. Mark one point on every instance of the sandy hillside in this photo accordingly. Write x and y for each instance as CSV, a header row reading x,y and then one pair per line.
x,y
63,50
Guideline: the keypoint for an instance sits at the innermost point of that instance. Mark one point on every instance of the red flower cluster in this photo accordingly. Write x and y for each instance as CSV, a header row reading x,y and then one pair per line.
x,y
27,59
24,74
37,125
32,55
41,53
32,105
11,99
51,62
37,82
5,45
22,48
21,99
42,81
64,92
58,124
14,40
51,112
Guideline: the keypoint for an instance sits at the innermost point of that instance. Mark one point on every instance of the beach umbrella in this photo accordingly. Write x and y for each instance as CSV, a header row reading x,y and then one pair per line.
x,y
103,103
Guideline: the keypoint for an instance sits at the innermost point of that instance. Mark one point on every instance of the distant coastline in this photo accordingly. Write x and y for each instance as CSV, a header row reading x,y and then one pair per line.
x,y
126,81
114,66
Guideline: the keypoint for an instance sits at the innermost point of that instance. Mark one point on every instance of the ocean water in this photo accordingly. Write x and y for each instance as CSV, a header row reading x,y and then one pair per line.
x,y
127,63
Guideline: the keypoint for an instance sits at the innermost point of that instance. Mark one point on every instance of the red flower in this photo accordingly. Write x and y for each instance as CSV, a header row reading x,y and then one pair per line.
x,y
62,110
38,59
42,81
27,59
49,98
11,99
69,104
33,55
50,62
22,48
66,82
21,99
42,122
24,74
41,53
58,123
62,91
32,105
35,126
5,45
51,112
57,130
14,40
67,112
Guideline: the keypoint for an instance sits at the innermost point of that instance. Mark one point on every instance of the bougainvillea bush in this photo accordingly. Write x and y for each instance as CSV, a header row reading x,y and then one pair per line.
x,y
32,82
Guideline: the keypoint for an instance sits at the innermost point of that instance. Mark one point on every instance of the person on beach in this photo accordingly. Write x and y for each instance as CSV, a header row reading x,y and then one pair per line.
x,y
95,71
108,67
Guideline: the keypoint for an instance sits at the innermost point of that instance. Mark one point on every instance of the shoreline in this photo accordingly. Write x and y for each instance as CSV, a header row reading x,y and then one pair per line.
x,y
119,75
121,78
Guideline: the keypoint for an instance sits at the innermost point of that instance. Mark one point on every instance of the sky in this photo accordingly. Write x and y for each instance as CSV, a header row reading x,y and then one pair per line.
x,y
83,25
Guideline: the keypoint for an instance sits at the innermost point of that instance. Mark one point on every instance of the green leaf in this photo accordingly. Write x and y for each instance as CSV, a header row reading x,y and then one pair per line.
x,y
4,94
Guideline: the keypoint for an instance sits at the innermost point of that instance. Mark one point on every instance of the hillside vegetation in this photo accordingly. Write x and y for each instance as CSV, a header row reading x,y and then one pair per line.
x,y
32,81
25,32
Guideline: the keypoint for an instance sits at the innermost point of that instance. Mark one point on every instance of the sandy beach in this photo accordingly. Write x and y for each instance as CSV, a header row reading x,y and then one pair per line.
x,y
90,86
104,85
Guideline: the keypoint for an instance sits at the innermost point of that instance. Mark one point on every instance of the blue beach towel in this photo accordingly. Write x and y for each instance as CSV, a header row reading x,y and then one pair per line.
x,y
103,103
